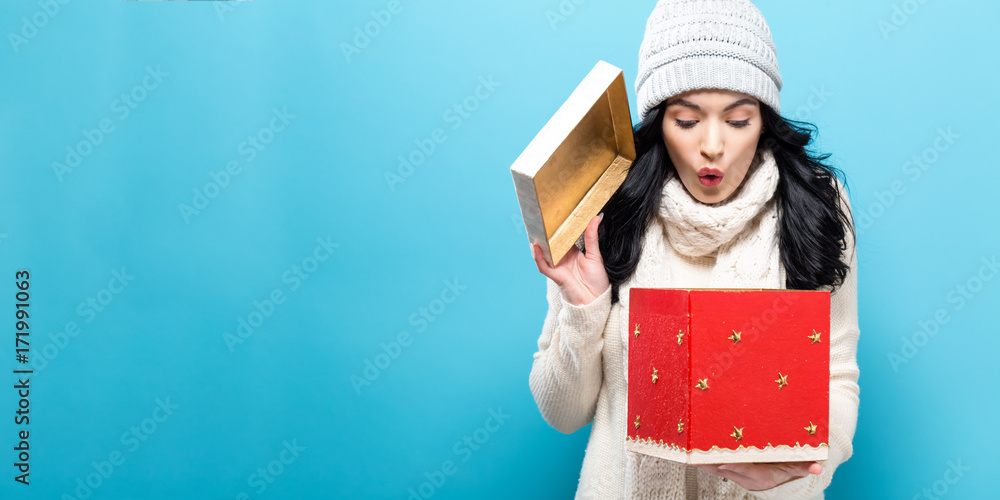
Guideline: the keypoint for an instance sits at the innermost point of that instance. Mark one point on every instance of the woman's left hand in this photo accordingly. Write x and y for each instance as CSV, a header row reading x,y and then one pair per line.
x,y
757,477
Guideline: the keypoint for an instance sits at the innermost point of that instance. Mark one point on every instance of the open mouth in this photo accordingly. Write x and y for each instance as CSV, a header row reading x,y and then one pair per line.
x,y
710,176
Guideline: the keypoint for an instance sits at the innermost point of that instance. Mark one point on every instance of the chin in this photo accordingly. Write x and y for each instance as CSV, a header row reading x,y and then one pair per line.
x,y
712,199
716,195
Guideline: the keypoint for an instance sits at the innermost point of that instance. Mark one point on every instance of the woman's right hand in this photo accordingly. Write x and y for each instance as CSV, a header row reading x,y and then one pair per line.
x,y
581,276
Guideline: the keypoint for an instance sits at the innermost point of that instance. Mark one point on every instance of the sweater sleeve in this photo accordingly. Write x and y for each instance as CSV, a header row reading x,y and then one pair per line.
x,y
844,390
567,371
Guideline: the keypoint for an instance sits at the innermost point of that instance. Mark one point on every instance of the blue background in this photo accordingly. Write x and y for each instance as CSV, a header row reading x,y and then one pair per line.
x,y
878,97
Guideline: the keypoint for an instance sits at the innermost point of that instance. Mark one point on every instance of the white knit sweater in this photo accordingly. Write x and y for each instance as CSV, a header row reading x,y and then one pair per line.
x,y
578,376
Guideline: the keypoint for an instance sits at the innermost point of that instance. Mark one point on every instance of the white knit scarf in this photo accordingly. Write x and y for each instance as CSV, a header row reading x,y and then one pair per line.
x,y
747,256
743,232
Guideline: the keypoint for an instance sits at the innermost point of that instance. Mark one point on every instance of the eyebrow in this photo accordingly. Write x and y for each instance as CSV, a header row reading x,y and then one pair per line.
x,y
689,104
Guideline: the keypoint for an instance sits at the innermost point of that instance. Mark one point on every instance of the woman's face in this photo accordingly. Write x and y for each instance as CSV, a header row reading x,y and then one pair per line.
x,y
711,136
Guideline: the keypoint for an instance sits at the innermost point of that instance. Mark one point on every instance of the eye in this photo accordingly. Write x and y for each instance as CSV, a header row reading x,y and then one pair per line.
x,y
686,124
740,124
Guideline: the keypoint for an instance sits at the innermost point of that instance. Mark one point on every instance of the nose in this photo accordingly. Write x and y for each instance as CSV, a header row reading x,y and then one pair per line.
x,y
711,144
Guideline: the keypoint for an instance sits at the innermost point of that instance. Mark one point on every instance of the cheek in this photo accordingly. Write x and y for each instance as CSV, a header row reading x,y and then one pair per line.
x,y
679,147
741,164
747,150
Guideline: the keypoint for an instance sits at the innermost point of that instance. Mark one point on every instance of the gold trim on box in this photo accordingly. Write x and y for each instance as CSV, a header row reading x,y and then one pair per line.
x,y
714,448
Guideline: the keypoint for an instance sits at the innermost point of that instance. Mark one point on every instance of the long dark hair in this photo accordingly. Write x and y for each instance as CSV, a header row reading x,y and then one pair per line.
x,y
812,220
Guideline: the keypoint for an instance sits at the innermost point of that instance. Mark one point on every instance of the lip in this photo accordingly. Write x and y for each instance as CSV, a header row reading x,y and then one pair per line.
x,y
714,180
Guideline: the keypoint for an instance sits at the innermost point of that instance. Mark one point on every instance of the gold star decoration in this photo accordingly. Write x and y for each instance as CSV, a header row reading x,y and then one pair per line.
x,y
702,384
811,429
637,330
815,337
737,433
782,380
637,421
735,337
654,375
680,337
680,426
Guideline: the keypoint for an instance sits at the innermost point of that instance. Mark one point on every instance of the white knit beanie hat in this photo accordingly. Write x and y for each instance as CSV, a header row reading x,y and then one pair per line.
x,y
702,44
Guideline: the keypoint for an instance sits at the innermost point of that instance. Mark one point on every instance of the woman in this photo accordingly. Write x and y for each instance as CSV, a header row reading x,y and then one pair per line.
x,y
722,194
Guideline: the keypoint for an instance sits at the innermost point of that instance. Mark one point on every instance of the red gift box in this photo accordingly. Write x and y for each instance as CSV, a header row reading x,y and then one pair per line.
x,y
728,375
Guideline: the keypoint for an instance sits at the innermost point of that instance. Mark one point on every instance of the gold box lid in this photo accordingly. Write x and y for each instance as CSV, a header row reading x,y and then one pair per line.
x,y
576,162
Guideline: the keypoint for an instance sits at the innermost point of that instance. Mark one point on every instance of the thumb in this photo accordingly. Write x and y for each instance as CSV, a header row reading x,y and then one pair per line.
x,y
590,239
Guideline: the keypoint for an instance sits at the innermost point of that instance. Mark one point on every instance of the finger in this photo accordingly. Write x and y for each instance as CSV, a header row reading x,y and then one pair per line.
x,y
744,481
762,473
725,470
590,238
743,469
540,262
787,469
802,469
